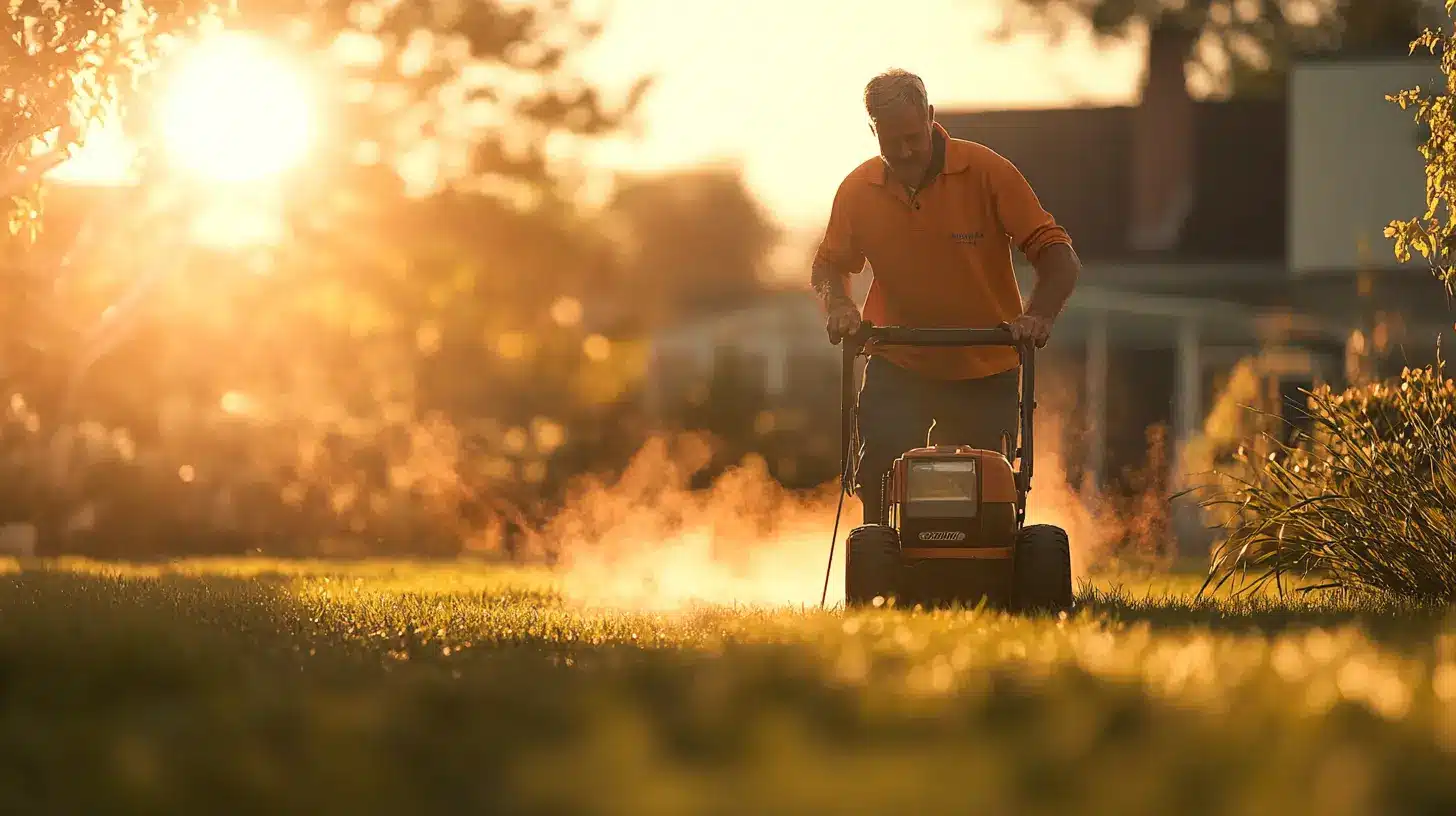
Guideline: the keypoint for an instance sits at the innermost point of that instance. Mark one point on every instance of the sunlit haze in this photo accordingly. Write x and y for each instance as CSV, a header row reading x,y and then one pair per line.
x,y
395,420
231,110
774,87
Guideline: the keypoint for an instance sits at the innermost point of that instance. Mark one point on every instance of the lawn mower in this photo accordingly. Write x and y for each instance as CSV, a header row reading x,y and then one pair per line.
x,y
952,526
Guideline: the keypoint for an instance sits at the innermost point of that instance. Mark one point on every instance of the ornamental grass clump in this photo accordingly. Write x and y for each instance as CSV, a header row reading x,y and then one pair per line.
x,y
1362,500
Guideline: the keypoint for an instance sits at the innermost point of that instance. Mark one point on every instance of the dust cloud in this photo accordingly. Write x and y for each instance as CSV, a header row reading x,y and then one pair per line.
x,y
649,542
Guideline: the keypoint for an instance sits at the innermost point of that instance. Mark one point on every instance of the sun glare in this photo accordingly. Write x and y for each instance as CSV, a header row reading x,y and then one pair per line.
x,y
235,111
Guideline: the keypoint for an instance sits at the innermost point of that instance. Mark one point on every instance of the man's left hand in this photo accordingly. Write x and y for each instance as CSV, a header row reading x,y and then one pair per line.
x,y
1031,327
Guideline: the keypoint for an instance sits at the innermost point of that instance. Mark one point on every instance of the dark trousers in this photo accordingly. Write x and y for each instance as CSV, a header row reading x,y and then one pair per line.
x,y
897,408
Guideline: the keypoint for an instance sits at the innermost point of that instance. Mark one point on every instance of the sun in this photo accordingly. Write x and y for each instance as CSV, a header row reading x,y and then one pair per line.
x,y
236,111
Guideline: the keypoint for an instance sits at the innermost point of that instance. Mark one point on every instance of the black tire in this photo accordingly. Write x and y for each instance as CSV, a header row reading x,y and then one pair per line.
x,y
1042,580
872,565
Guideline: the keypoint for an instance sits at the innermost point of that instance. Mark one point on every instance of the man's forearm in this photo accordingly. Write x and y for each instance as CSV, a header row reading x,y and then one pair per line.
x,y
1057,270
831,286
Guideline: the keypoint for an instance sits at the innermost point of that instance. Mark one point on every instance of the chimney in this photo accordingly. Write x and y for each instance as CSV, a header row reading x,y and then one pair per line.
x,y
1163,142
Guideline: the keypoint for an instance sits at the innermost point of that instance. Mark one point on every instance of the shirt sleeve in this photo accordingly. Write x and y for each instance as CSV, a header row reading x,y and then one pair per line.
x,y
1030,226
839,254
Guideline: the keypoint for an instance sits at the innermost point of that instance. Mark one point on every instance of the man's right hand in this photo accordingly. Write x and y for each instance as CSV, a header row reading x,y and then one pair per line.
x,y
842,320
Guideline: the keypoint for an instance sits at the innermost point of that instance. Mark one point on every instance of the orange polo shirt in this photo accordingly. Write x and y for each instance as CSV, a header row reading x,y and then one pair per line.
x,y
943,259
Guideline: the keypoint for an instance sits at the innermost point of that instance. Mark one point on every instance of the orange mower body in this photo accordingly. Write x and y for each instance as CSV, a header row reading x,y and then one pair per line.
x,y
952,525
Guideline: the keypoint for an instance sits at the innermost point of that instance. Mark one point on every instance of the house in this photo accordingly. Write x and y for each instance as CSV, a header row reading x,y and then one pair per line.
x,y
1211,231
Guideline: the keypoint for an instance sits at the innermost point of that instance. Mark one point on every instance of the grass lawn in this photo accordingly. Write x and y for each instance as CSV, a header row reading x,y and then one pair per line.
x,y
266,687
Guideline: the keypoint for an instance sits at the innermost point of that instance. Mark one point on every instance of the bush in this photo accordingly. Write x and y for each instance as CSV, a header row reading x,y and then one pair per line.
x,y
213,482
1366,500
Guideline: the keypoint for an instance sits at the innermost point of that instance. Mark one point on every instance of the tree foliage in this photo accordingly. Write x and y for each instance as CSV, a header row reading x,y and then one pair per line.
x,y
427,344
65,65
479,93
694,240
1237,44
1431,233
404,359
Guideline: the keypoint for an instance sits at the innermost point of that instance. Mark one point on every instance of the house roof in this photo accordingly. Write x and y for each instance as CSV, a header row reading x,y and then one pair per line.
x,y
1079,160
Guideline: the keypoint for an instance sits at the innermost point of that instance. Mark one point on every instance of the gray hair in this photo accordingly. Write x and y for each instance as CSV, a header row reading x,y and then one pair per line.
x,y
892,89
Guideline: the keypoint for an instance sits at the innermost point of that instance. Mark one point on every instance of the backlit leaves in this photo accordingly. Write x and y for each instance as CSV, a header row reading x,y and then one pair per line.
x,y
1242,46
1430,235
62,67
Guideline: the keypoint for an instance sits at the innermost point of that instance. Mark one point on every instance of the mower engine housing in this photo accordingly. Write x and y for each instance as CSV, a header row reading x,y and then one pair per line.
x,y
952,502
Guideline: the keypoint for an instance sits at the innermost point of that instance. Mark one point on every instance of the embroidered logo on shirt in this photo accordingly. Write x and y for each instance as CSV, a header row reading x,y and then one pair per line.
x,y
971,238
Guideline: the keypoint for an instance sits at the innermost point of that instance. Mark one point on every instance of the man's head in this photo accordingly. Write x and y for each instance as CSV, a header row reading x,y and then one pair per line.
x,y
900,116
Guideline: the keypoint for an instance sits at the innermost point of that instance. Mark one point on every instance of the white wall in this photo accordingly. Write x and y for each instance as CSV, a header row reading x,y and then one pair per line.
x,y
1354,161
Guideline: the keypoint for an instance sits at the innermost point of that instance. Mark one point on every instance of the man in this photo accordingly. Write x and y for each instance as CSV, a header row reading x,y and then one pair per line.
x,y
937,219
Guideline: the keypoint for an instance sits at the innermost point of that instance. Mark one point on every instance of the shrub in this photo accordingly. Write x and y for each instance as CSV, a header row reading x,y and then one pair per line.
x,y
1365,500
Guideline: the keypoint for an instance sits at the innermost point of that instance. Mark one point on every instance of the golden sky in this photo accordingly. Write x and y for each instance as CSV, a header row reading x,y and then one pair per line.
x,y
773,85
776,83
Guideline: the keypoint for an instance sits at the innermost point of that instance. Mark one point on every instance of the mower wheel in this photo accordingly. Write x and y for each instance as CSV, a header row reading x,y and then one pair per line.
x,y
1043,569
871,565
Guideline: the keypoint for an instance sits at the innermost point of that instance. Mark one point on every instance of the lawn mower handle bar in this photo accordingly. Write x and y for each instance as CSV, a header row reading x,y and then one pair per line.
x,y
854,345
902,336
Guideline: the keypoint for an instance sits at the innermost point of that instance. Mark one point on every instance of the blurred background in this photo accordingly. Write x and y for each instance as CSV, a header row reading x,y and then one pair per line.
x,y
389,278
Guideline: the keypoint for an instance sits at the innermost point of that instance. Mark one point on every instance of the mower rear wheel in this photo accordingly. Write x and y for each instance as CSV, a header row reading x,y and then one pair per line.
x,y
1042,579
871,565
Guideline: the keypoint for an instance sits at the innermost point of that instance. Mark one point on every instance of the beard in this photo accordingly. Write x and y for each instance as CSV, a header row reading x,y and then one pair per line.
x,y
909,170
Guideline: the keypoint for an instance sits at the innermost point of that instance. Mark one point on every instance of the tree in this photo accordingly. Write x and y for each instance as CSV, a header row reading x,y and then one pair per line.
x,y
691,240
408,351
65,65
1242,46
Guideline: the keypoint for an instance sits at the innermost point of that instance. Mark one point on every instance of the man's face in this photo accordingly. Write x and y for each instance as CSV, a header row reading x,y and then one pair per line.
x,y
905,144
